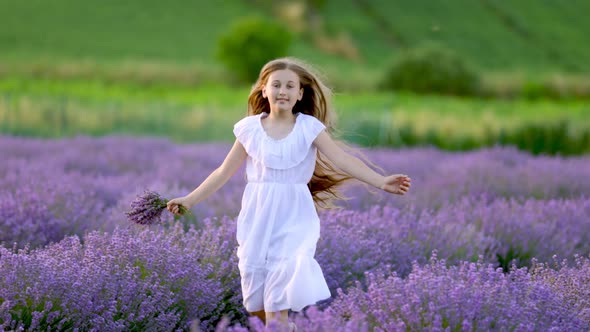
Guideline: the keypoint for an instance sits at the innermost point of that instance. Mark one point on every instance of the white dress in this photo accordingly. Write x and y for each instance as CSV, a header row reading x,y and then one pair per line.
x,y
278,226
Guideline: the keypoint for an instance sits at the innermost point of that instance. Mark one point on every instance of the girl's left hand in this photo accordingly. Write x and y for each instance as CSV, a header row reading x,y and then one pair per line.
x,y
174,205
397,184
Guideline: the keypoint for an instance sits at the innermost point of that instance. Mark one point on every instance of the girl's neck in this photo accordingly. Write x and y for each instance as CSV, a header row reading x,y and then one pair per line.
x,y
281,115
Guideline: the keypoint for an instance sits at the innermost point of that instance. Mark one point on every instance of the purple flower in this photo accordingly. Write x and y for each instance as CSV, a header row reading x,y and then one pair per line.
x,y
147,208
494,217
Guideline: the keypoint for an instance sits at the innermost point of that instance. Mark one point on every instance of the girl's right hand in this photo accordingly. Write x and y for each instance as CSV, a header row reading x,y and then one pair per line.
x,y
397,184
174,205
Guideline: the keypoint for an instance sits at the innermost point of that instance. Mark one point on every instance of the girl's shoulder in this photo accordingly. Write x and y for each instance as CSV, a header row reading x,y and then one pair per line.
x,y
312,126
246,128
247,120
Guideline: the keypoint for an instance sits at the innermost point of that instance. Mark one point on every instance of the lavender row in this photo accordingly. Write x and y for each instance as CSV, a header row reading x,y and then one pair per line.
x,y
170,279
71,186
469,296
130,279
499,231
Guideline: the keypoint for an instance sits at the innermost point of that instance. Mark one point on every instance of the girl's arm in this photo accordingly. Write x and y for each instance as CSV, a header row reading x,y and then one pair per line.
x,y
234,159
396,184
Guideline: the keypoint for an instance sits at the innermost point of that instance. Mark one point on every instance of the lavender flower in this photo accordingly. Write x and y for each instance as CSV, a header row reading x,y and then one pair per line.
x,y
147,208
480,211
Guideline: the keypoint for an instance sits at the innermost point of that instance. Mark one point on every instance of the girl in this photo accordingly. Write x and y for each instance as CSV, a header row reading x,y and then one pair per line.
x,y
289,121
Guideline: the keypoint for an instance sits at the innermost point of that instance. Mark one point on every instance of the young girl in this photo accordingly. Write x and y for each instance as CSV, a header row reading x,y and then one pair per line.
x,y
289,121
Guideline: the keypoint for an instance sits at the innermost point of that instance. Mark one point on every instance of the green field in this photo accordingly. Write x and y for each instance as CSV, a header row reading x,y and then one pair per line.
x,y
149,68
55,109
167,39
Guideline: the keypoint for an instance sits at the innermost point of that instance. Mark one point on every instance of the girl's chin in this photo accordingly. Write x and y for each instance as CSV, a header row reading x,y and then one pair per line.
x,y
284,108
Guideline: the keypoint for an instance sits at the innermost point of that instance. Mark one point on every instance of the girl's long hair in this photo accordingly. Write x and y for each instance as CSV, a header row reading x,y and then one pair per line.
x,y
316,102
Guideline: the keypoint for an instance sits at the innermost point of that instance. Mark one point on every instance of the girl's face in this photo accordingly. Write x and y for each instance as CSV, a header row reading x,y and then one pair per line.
x,y
282,89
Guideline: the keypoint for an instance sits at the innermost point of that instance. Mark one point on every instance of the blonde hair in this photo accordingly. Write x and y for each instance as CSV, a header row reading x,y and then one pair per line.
x,y
316,102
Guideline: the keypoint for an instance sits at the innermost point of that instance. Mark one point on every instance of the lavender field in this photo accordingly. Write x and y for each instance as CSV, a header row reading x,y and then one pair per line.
x,y
493,239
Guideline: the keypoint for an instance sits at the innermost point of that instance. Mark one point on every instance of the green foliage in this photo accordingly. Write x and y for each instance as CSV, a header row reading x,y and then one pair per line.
x,y
517,256
547,138
317,4
537,90
432,68
250,43
567,88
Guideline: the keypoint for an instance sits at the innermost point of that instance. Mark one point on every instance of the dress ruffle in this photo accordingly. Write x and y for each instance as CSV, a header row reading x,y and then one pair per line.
x,y
271,152
294,283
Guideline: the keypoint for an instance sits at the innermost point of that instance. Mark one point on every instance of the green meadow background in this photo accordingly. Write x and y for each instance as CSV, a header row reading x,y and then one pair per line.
x,y
149,68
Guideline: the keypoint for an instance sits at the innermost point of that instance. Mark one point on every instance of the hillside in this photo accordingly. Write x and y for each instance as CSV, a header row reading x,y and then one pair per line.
x,y
527,36
495,35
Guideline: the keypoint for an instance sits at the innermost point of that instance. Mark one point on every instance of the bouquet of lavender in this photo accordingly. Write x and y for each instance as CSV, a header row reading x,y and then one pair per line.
x,y
147,208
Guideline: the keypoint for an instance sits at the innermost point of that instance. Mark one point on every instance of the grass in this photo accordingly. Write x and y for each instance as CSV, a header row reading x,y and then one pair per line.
x,y
539,37
177,39
174,31
64,108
